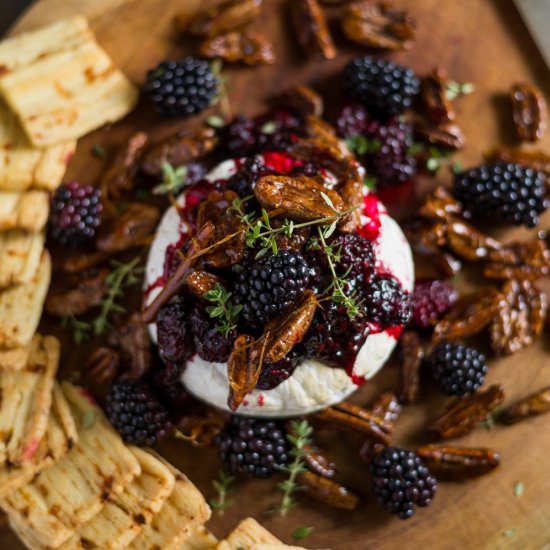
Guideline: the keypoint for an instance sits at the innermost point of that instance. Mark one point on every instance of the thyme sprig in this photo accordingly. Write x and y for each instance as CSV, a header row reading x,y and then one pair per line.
x,y
300,438
456,89
173,179
223,486
360,145
223,309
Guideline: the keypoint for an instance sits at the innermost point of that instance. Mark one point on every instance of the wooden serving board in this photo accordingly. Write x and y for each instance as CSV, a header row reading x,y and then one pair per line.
x,y
482,41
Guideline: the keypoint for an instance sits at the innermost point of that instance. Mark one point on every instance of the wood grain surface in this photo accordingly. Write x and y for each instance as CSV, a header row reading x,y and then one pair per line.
x,y
482,41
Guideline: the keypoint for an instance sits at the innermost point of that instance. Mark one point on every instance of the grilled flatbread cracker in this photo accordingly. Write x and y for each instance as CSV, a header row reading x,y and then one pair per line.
x,y
15,358
26,401
201,539
123,515
20,254
280,546
63,92
21,307
245,535
71,492
59,439
23,210
182,513
23,166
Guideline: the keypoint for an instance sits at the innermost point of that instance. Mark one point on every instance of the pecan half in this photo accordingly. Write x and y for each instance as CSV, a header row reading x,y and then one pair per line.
x,y
468,243
76,263
243,369
458,463
315,460
303,100
445,136
200,430
247,47
532,405
102,366
311,29
378,25
409,372
463,414
328,492
439,205
528,111
432,92
537,160
200,282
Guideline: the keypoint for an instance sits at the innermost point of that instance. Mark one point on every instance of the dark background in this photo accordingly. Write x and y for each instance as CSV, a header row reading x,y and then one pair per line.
x,y
9,11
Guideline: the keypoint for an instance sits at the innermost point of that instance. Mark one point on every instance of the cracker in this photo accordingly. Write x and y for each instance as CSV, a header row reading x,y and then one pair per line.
x,y
71,492
183,512
66,91
280,546
15,358
23,210
21,307
201,539
20,254
246,534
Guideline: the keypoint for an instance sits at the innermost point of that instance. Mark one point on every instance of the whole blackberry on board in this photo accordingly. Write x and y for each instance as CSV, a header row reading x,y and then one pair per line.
x,y
174,336
136,413
503,193
210,344
385,301
352,120
391,163
274,374
457,369
76,213
431,299
270,286
401,481
181,88
384,87
253,446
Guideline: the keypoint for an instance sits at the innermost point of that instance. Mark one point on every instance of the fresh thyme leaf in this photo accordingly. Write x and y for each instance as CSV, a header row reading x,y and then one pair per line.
x,y
433,164
415,149
223,486
328,200
518,489
215,121
436,159
457,167
370,183
360,145
302,533
268,128
81,330
173,179
224,309
98,151
509,532
490,421
456,89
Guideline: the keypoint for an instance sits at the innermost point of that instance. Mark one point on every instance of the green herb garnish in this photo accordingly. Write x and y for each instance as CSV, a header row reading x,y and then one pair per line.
x,y
509,532
223,309
173,179
518,489
223,488
302,533
360,145
98,151
456,89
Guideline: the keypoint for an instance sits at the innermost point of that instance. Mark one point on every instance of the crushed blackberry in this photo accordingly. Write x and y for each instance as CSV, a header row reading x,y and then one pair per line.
x,y
503,193
253,446
352,120
385,301
239,136
270,286
175,340
275,130
181,88
384,87
244,180
391,163
274,374
76,213
210,343
168,387
333,337
136,413
196,171
430,300
457,369
401,481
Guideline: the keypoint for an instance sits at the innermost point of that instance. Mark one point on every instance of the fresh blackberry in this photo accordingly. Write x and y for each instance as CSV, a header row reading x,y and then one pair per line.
x,y
431,299
270,286
244,180
195,172
333,337
136,413
275,130
503,193
253,446
239,136
210,344
175,340
181,88
382,86
392,162
76,213
352,120
401,481
274,374
457,369
168,387
385,301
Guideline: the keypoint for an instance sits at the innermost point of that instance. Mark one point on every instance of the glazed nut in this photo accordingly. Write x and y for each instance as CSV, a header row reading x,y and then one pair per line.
x,y
199,282
437,106
303,100
200,431
446,136
532,405
311,29
248,48
102,365
409,373
529,112
387,408
328,491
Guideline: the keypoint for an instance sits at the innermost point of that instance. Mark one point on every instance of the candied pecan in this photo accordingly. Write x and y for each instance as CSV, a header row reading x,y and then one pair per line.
x,y
468,243
226,16
129,229
458,463
445,136
324,148
409,375
537,160
463,414
303,100
327,491
469,315
102,366
199,282
315,460
378,25
439,205
87,294
298,240
243,369
528,111
351,192
76,263
199,430
520,315
120,176
248,47
178,149
436,105
311,29
532,405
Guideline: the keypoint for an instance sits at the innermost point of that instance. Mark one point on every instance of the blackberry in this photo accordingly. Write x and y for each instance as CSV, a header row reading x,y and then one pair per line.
x,y
270,286
76,213
181,88
168,386
391,163
275,130
382,86
136,414
253,446
210,344
401,481
385,301
274,374
175,340
352,120
333,337
244,180
239,136
503,193
430,301
457,369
